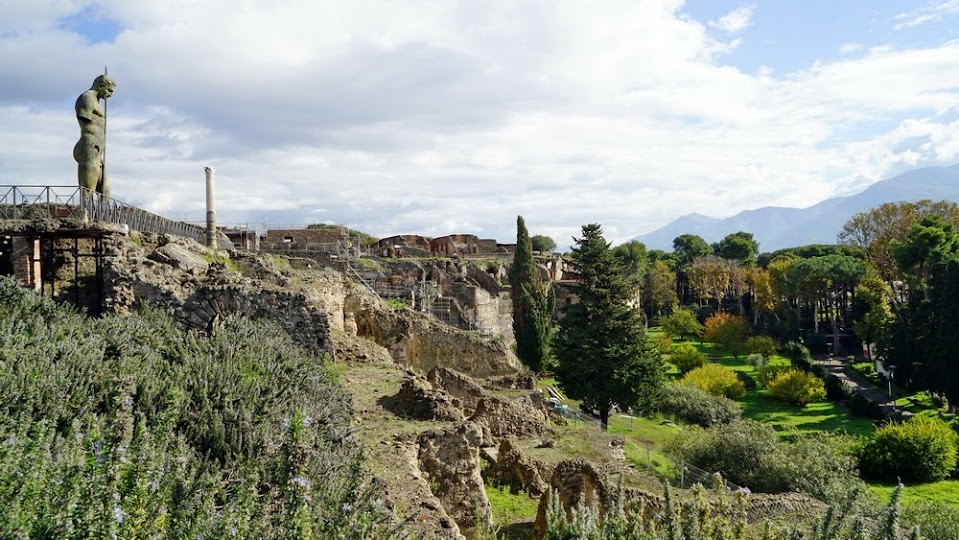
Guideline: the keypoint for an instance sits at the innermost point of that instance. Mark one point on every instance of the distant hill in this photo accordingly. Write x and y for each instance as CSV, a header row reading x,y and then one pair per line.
x,y
777,228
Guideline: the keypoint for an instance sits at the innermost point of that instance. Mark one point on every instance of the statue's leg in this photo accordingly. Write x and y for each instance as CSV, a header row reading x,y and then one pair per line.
x,y
103,185
88,163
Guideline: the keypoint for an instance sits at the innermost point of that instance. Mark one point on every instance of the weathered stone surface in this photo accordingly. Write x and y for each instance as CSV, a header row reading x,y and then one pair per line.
x,y
518,470
575,480
458,385
180,257
417,399
202,296
422,343
522,417
450,459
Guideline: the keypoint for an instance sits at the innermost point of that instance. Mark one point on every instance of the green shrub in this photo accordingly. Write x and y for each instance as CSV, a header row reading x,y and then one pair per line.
x,y
740,450
757,360
749,383
798,355
687,357
861,405
716,380
664,343
763,345
681,323
921,449
751,454
797,387
836,389
770,372
689,404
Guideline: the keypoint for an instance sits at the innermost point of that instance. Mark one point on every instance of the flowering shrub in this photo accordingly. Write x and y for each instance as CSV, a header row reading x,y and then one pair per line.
x,y
716,380
797,387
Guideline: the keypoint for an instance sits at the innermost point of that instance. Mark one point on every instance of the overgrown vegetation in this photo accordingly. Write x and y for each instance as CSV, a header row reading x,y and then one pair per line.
x,y
691,405
751,454
713,516
127,427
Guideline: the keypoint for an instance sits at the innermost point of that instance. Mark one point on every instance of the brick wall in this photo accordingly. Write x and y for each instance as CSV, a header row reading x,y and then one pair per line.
x,y
302,239
26,261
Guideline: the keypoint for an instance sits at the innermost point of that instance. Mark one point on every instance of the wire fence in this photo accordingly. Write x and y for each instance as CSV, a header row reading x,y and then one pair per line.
x,y
647,458
73,202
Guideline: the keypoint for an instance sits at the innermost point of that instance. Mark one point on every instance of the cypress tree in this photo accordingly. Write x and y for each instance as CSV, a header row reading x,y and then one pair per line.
x,y
600,347
532,298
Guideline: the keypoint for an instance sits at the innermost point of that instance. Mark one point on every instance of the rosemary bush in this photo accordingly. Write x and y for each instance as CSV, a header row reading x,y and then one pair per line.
x,y
126,427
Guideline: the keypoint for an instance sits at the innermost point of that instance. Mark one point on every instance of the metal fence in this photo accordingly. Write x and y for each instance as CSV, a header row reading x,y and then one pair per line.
x,y
73,202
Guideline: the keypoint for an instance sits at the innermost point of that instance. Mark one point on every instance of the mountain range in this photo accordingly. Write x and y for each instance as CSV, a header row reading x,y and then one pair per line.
x,y
777,227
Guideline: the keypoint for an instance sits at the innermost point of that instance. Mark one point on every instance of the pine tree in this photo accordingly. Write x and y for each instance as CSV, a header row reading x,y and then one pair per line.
x,y
532,303
600,347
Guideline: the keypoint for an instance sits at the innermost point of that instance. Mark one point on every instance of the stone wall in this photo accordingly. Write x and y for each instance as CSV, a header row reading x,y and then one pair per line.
x,y
176,277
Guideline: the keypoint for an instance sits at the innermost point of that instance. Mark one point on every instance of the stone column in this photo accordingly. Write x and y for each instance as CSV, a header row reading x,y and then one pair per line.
x,y
210,207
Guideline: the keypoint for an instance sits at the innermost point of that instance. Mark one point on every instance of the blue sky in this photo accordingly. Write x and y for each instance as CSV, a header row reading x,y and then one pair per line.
x,y
418,116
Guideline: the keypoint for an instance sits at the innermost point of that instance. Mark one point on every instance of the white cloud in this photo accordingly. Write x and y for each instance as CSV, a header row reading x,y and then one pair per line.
x,y
442,117
933,11
734,21
849,48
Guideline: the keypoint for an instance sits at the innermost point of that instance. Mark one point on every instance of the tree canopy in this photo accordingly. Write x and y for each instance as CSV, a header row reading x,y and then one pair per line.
x,y
687,247
600,346
532,298
875,229
739,246
542,243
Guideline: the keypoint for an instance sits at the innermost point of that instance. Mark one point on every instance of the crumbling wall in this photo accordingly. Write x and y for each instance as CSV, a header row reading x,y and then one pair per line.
x,y
450,459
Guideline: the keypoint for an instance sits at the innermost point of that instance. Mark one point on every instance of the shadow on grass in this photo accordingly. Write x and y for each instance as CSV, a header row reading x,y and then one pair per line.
x,y
823,416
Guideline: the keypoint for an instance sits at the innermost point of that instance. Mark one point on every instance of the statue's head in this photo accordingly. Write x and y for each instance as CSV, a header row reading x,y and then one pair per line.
x,y
104,86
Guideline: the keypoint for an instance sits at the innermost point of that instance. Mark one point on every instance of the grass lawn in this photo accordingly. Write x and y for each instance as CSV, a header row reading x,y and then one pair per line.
x,y
509,507
787,419
946,491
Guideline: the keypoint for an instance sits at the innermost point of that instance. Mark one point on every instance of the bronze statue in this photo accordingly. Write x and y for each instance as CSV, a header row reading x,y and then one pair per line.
x,y
90,150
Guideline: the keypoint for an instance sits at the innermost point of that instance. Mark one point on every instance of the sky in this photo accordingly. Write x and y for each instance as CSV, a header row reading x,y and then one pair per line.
x,y
439,117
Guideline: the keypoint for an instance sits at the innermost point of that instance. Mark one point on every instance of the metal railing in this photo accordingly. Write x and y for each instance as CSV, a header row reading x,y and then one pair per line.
x,y
73,202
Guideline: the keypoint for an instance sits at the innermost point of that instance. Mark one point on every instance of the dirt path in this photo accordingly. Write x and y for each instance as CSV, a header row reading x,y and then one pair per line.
x,y
369,374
